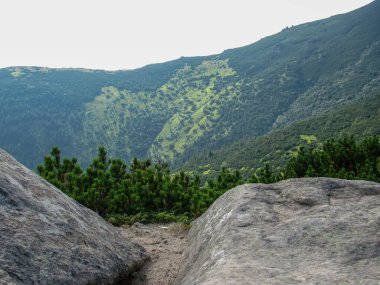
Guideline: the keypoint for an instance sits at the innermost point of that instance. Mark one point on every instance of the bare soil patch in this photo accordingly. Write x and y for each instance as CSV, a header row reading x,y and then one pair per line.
x,y
165,244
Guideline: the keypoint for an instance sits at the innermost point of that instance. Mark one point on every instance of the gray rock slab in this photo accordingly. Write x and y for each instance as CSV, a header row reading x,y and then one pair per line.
x,y
48,238
299,231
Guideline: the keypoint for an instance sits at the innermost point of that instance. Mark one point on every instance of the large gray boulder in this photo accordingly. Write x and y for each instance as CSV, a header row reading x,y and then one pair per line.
x,y
310,231
48,238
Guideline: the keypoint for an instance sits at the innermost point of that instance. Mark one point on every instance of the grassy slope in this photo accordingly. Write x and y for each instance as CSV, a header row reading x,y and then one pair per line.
x,y
361,118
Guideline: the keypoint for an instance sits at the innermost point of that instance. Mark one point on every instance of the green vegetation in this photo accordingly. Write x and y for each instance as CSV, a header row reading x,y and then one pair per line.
x,y
198,97
360,119
175,110
142,191
343,158
150,193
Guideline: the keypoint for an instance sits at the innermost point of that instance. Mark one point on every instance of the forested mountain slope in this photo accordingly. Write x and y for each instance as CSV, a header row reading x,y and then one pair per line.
x,y
174,110
361,119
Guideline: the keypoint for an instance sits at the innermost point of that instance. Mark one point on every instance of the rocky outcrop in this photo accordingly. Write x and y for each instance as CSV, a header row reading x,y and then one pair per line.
x,y
48,238
311,231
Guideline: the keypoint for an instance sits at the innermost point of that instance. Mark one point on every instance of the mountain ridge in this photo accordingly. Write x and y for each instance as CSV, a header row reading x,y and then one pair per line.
x,y
173,110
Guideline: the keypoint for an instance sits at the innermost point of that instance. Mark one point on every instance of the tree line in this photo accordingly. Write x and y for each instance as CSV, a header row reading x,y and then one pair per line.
x,y
146,191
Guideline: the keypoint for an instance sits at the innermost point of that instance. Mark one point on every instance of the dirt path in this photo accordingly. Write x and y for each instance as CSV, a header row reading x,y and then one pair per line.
x,y
165,244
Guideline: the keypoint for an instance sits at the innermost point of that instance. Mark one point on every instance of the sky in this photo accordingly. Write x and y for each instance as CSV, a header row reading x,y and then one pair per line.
x,y
126,34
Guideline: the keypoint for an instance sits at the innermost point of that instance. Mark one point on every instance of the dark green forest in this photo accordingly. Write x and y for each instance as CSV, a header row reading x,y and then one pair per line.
x,y
147,192
150,192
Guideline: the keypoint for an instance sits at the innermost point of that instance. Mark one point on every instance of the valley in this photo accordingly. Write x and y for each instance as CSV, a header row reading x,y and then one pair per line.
x,y
256,165
177,110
